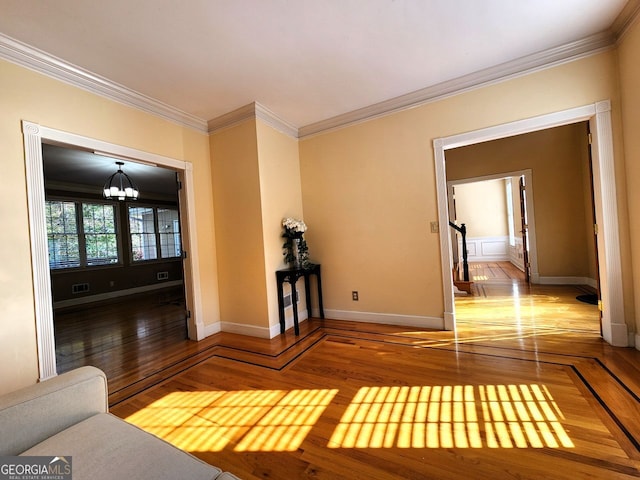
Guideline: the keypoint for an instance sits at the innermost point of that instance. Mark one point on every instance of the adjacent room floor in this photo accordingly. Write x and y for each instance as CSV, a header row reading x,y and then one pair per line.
x,y
525,389
128,339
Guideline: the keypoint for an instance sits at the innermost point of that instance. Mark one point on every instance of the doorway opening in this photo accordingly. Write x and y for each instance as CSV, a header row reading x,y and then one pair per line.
x,y
34,137
614,329
498,225
115,264
495,208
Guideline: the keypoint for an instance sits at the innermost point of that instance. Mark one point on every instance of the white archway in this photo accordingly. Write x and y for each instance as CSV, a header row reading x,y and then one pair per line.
x,y
34,135
614,329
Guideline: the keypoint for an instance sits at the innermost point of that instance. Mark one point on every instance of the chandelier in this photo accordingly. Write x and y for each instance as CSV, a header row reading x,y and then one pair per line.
x,y
120,186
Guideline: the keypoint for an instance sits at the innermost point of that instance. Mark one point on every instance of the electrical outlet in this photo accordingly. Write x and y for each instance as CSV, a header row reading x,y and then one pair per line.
x,y
354,296
435,228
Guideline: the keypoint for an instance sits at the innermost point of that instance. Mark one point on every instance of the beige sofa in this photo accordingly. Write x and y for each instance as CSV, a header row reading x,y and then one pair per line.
x,y
68,416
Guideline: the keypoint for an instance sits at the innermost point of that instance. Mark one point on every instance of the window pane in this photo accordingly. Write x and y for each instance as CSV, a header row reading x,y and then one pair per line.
x,y
62,234
99,223
169,227
143,233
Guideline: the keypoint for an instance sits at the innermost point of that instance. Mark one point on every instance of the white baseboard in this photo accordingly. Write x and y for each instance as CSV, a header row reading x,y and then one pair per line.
x,y
242,329
274,330
566,281
382,318
256,331
72,302
619,335
449,321
387,318
212,328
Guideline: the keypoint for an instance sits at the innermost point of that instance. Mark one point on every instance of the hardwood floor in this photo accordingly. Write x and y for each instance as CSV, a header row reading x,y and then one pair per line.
x,y
495,272
128,339
524,389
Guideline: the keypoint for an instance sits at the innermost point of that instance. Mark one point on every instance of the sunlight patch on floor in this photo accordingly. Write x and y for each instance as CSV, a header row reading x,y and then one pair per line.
x,y
250,420
438,416
458,416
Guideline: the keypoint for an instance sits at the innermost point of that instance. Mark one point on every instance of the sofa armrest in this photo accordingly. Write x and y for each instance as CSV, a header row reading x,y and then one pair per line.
x,y
32,414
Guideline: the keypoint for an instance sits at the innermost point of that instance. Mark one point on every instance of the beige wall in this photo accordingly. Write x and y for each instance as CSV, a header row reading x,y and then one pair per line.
x,y
25,95
482,207
558,166
281,197
256,178
237,202
629,53
369,189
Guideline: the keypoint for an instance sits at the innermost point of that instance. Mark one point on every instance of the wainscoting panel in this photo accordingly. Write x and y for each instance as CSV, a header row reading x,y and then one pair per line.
x,y
487,249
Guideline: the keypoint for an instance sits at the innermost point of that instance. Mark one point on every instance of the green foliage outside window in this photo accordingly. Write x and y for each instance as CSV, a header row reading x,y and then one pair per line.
x,y
101,242
62,235
81,234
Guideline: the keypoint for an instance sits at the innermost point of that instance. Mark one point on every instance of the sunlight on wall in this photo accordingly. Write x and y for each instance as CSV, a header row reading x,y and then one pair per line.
x,y
252,420
510,416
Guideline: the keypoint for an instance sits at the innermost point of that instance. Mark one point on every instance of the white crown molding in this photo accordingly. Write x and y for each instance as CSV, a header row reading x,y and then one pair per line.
x,y
22,54
37,60
250,111
271,119
232,118
629,15
519,67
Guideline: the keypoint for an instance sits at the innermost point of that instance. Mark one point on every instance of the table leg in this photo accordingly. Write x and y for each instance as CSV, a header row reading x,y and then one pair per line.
x,y
319,279
281,306
294,304
307,291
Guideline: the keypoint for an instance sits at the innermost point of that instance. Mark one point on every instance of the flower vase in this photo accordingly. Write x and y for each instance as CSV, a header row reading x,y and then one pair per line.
x,y
295,253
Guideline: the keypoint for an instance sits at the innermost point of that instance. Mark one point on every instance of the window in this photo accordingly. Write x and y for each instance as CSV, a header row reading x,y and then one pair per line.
x,y
155,233
169,230
142,229
101,242
62,235
81,234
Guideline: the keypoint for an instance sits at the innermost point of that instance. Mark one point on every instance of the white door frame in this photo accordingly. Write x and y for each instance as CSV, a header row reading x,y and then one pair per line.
x,y
614,328
34,135
528,175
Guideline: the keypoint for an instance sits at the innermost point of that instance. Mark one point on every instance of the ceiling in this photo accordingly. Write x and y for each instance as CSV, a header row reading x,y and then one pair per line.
x,y
83,171
304,60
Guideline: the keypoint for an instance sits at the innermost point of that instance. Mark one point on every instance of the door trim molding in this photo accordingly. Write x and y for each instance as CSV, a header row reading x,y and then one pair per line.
x,y
34,135
528,175
614,328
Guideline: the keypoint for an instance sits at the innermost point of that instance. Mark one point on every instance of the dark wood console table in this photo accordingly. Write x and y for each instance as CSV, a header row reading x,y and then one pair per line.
x,y
291,276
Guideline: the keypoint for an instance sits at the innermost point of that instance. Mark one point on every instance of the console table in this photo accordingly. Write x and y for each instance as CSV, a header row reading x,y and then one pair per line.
x,y
291,276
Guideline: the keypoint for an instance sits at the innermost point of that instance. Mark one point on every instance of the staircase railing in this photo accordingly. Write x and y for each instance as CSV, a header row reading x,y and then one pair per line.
x,y
462,229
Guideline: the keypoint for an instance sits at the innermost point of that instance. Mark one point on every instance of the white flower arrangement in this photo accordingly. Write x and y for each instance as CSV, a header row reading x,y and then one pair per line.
x,y
293,227
295,247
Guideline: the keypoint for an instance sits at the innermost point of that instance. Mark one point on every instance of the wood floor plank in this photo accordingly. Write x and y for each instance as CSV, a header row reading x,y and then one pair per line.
x,y
525,389
364,376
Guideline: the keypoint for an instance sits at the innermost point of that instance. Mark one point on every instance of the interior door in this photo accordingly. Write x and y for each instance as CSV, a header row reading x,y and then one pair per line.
x,y
595,228
187,270
524,230
454,237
